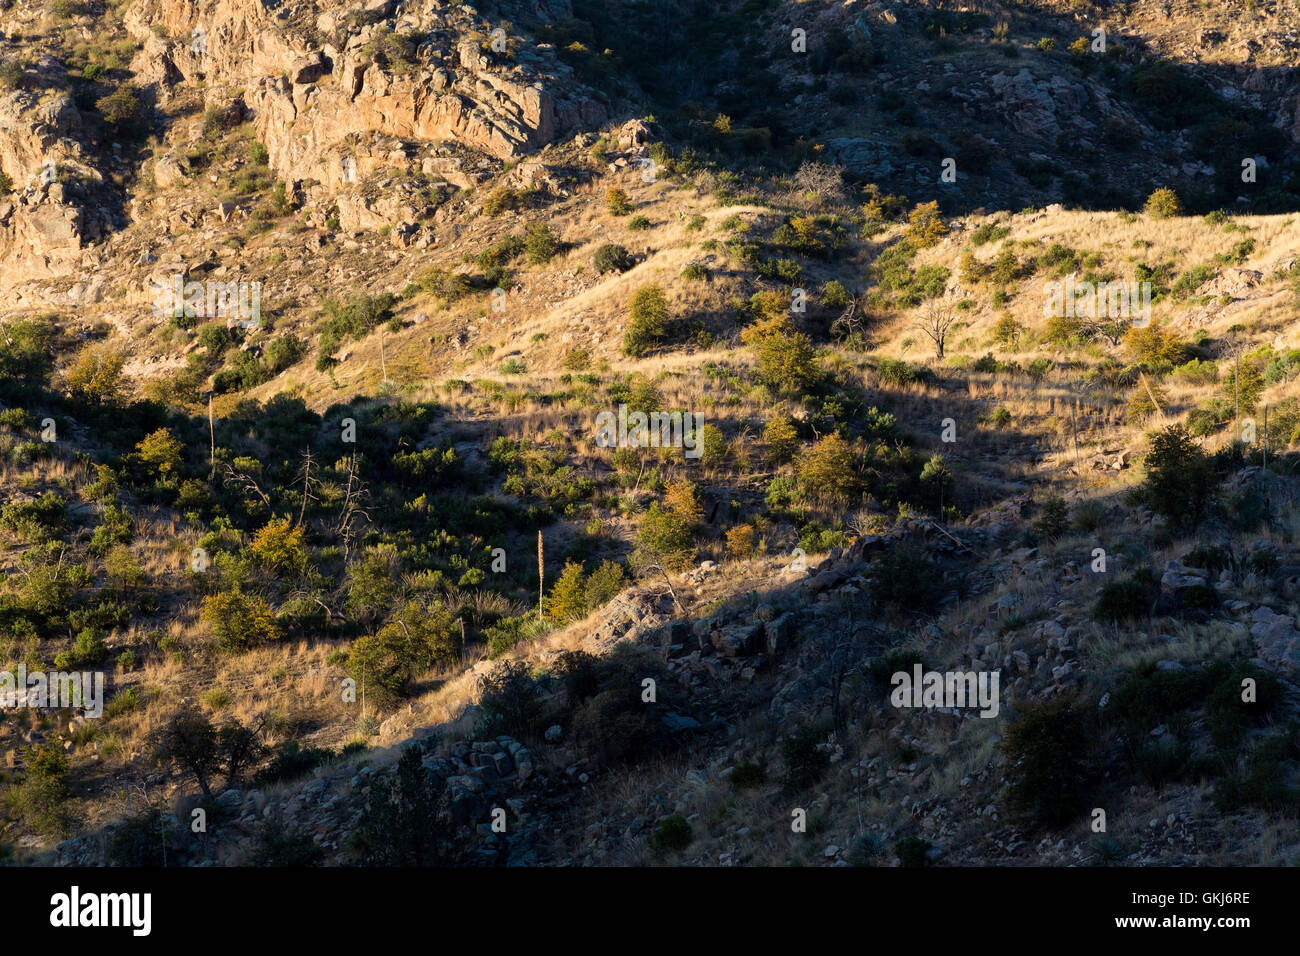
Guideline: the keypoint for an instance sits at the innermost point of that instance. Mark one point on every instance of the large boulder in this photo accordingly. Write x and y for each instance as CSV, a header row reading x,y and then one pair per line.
x,y
1277,642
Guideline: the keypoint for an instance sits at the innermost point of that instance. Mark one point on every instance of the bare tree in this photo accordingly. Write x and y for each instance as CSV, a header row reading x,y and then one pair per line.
x,y
1112,331
248,483
352,513
936,323
817,183
304,473
851,326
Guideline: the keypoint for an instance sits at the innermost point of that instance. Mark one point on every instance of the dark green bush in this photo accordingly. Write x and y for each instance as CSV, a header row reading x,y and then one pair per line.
x,y
805,763
911,851
1046,767
611,257
402,824
672,834
1128,598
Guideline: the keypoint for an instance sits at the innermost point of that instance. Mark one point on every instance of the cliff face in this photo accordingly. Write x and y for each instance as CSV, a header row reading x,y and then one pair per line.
x,y
335,92
318,87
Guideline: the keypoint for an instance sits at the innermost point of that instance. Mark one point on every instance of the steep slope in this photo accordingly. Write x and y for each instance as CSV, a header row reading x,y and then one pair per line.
x,y
312,315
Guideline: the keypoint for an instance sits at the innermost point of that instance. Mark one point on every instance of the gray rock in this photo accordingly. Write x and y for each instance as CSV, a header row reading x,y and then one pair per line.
x,y
1276,639
678,723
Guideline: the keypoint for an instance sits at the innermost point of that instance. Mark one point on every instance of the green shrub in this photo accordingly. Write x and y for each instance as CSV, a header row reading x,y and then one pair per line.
x,y
1181,482
443,284
834,295
121,108
829,470
897,373
672,834
1126,599
989,233
503,199
787,361
911,851
415,640
1046,768
805,762
1053,518
666,536
116,527
401,824
611,257
604,583
748,773
11,73
35,521
648,314
617,202
1163,204
240,621
1262,780
281,846
540,244
511,702
1088,516
148,839
44,794
904,579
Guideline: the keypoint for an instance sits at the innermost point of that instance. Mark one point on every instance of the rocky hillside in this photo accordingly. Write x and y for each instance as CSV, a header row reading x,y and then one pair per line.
x,y
310,317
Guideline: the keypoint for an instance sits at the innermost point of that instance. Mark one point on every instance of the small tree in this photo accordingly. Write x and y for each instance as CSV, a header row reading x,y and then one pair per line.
x,y
189,741
648,314
1163,204
568,600
239,748
402,823
160,453
610,257
666,535
603,583
121,108
416,639
1007,332
618,203
788,362
936,324
1046,749
1155,345
278,547
936,476
44,793
1053,518
540,244
96,376
925,225
240,620
741,541
1181,482
782,438
829,470
1244,390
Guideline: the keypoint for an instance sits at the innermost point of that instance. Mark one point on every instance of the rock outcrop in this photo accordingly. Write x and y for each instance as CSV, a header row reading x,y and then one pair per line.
x,y
428,74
